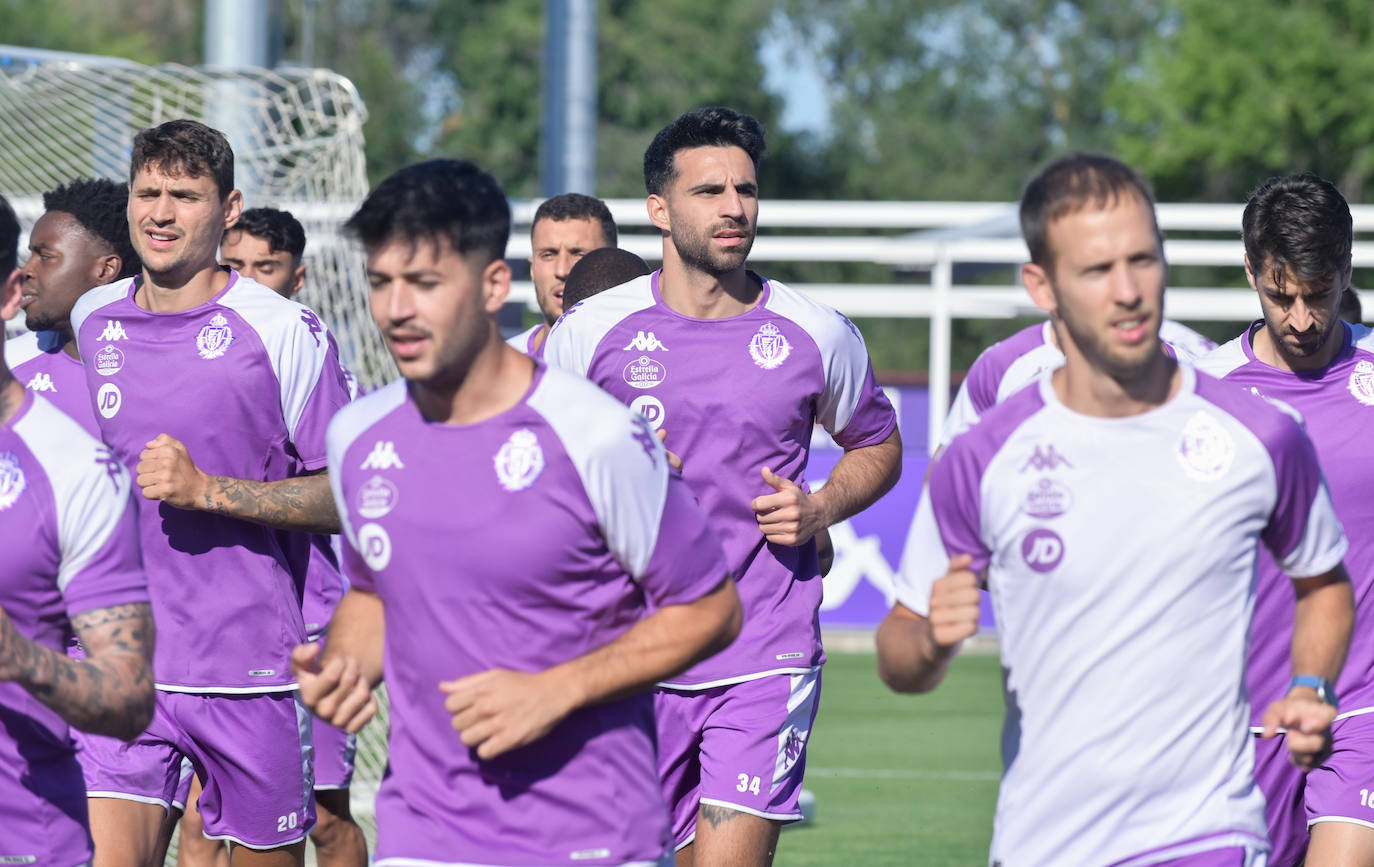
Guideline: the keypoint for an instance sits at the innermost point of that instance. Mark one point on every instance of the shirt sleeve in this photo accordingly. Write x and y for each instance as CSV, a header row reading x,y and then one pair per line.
x,y
947,523
852,408
1303,533
313,386
650,521
98,534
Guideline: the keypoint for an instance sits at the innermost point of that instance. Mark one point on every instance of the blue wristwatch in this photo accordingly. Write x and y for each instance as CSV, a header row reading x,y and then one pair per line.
x,y
1326,690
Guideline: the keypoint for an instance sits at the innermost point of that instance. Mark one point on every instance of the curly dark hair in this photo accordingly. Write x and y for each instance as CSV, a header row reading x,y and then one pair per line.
x,y
704,127
185,147
9,239
282,231
441,200
101,207
1299,222
576,206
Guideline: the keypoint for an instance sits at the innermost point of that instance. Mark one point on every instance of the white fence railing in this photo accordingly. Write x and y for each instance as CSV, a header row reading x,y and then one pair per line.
x,y
933,246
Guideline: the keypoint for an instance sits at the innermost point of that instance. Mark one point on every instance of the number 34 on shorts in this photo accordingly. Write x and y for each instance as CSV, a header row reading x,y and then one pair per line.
x,y
748,784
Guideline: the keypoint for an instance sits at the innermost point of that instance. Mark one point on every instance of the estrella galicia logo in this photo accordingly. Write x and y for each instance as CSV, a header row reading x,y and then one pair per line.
x,y
644,372
1047,499
109,360
1042,549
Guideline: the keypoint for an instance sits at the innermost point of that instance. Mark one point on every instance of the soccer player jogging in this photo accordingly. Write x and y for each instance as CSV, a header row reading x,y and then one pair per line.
x,y
735,371
566,227
217,394
71,565
267,245
515,631
82,240
1298,237
1114,510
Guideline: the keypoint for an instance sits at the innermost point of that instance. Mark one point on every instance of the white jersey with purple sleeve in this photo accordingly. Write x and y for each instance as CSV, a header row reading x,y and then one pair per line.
x,y
735,395
65,509
37,360
1337,405
1120,554
1010,365
524,341
519,542
248,382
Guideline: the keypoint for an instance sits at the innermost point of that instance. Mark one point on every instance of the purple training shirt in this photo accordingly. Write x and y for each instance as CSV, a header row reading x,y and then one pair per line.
x,y
735,395
64,506
519,542
248,382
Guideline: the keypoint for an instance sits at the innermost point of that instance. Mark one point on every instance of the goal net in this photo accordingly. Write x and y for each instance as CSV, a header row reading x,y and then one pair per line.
x,y
298,145
297,138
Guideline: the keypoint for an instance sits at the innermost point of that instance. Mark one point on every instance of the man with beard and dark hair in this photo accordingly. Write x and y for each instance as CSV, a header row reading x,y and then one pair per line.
x,y
1114,509
705,339
1301,355
81,241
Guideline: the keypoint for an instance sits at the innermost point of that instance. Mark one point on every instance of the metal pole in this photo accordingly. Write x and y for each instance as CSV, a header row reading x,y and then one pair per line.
x,y
580,151
568,158
238,35
554,74
942,282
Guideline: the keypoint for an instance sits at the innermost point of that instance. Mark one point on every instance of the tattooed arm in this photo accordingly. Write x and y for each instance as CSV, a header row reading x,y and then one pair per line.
x,y
166,472
110,692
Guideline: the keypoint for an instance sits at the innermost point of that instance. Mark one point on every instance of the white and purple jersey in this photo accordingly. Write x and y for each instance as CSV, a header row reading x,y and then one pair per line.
x,y
248,382
1010,365
1336,402
524,342
66,512
566,529
37,360
1120,554
736,395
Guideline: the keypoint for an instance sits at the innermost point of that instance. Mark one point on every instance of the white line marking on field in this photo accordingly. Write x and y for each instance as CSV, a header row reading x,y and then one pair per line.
x,y
901,774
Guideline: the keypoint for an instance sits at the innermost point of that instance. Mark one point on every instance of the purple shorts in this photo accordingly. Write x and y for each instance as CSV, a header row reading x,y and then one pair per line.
x,y
1284,813
334,752
740,746
253,753
1342,789
43,817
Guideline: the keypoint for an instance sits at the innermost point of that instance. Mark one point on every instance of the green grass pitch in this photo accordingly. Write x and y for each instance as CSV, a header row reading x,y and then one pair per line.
x,y
901,780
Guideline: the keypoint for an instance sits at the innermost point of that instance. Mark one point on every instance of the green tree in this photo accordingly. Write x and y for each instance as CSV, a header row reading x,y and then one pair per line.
x,y
962,99
1231,93
656,60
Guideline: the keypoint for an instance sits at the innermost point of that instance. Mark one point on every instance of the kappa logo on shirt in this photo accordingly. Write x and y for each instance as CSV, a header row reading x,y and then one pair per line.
x,y
1045,459
12,482
114,330
383,457
646,342
313,323
40,382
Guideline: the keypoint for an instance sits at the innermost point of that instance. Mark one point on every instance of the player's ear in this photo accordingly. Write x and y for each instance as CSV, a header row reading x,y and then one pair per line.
x,y
233,207
1037,283
495,285
106,268
10,293
658,213
297,280
1250,274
